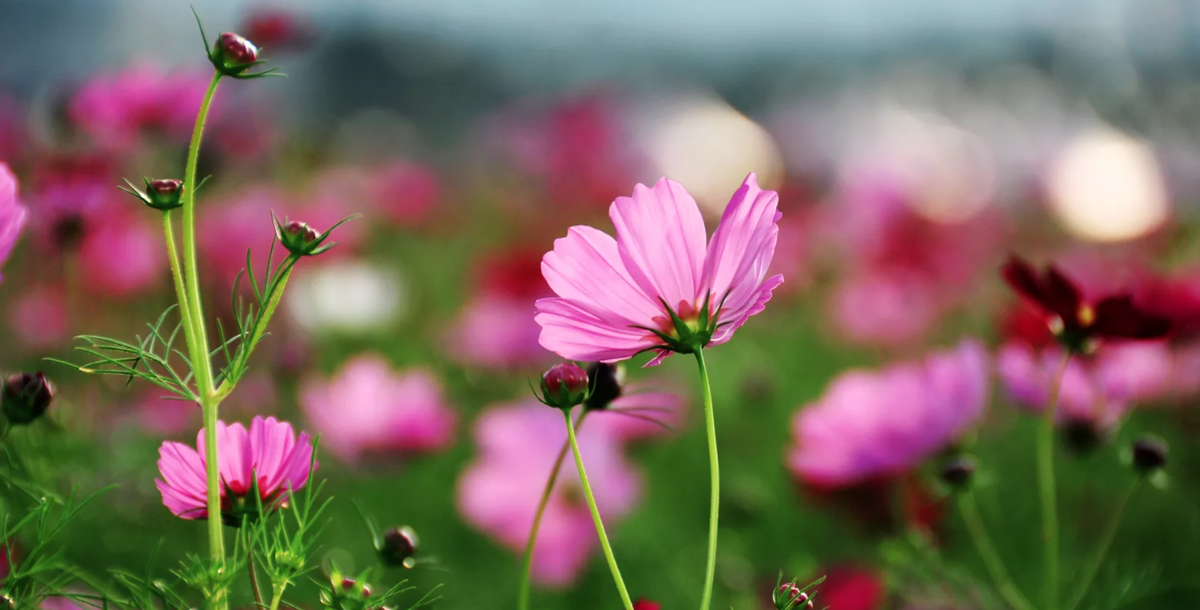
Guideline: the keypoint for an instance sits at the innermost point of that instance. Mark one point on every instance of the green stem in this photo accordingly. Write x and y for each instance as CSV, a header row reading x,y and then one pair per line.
x,y
277,597
1048,491
185,310
260,328
1110,533
715,472
201,365
591,500
258,599
995,565
527,558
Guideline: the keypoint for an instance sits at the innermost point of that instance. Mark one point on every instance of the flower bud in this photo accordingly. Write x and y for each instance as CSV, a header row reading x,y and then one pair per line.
x,y
564,385
233,54
164,194
348,584
957,472
398,547
299,238
26,396
788,595
606,380
1149,454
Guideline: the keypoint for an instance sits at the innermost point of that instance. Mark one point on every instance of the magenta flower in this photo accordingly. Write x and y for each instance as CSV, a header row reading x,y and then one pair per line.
x,y
1097,390
12,213
494,328
121,255
270,458
657,286
117,109
879,423
367,408
498,493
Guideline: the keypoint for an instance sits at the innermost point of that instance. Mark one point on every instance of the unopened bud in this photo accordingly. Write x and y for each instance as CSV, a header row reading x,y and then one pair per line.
x,y
957,472
164,194
26,396
606,380
233,54
299,238
564,385
1149,454
398,547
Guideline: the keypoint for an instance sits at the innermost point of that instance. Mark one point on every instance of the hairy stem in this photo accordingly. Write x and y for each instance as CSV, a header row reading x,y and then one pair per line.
x,y
527,558
714,509
987,551
1110,533
591,500
1048,490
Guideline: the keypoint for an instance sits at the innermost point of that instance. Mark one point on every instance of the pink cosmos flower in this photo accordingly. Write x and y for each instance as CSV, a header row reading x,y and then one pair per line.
x,y
877,423
38,316
369,408
117,109
614,294
12,213
72,194
269,456
121,255
405,192
499,492
1098,389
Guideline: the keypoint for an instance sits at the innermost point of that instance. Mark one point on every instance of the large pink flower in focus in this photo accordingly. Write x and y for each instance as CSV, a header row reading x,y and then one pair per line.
x,y
269,453
369,408
499,492
12,213
613,294
878,423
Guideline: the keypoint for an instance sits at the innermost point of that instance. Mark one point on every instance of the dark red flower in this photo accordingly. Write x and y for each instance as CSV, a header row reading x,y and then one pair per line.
x,y
851,588
645,604
1075,321
278,28
1175,299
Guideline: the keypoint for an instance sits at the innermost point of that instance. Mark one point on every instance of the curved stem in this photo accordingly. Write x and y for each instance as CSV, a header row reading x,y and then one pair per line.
x,y
1110,533
527,558
1048,491
987,551
591,500
710,426
201,364
258,598
259,330
185,311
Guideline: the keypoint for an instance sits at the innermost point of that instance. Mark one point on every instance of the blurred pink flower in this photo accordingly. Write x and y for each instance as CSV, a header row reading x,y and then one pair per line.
x,y
269,455
118,109
121,255
899,271
368,408
494,328
12,213
499,492
1097,389
607,287
157,413
404,192
871,423
38,316
72,194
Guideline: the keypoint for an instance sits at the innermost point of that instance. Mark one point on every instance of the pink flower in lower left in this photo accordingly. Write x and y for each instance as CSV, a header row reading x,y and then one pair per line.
x,y
268,458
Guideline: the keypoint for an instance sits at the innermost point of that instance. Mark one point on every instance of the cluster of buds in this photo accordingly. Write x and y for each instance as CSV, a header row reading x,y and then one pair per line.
x,y
346,593
26,397
397,547
163,194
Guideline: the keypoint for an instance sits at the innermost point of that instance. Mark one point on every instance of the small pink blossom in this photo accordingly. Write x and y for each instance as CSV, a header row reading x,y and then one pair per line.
x,y
612,291
871,423
405,192
72,194
368,408
269,456
499,492
494,328
118,109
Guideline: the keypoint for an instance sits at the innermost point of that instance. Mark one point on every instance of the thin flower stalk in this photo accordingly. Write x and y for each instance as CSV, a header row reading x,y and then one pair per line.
x,y
1097,559
714,466
987,551
1048,491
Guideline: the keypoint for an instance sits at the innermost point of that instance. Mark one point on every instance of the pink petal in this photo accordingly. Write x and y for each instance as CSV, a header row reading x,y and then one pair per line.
x,y
586,268
661,238
575,333
741,250
737,319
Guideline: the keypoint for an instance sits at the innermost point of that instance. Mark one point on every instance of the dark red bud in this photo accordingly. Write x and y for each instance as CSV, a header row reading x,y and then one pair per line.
x,y
26,396
1149,453
399,546
237,49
